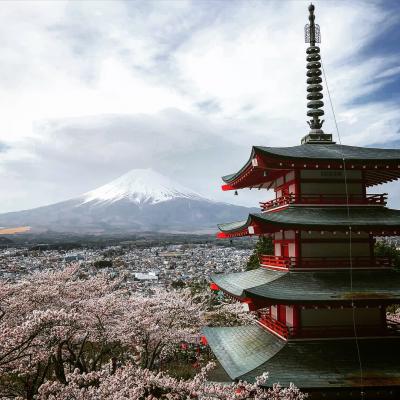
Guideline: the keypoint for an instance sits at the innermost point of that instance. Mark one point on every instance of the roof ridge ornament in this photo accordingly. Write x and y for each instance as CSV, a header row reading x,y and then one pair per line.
x,y
314,80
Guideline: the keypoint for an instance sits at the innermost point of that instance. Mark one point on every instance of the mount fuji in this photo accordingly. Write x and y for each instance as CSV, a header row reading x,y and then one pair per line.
x,y
142,200
140,186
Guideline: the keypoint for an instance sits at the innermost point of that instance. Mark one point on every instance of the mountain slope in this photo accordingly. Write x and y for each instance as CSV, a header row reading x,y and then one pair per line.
x,y
141,200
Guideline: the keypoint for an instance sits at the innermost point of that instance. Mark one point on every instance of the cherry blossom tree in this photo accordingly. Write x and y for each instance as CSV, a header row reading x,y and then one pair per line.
x,y
66,335
54,322
131,382
394,314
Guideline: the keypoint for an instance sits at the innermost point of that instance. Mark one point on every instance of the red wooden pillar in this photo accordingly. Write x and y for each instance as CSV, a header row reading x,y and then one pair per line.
x,y
282,313
297,185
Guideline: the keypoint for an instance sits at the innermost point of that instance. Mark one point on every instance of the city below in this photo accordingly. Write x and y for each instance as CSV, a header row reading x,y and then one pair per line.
x,y
141,267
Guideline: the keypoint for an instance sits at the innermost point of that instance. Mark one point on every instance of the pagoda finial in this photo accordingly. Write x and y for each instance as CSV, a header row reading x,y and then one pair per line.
x,y
314,80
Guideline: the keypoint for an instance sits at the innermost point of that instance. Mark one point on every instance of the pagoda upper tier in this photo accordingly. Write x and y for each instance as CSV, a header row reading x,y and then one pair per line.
x,y
266,164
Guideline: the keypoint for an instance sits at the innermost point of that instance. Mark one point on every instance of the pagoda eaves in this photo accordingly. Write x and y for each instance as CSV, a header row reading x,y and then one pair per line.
x,y
380,221
267,286
328,366
266,164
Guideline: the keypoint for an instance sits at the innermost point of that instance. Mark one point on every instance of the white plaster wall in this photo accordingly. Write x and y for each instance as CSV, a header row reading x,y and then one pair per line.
x,y
289,235
292,250
278,236
289,176
289,316
278,249
274,312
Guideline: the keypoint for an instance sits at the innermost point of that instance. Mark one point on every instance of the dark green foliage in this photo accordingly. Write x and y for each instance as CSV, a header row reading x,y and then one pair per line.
x,y
384,248
179,284
264,245
103,264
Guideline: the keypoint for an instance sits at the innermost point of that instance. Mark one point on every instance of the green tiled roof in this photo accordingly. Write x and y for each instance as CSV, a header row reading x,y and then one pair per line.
x,y
246,352
332,152
320,286
322,217
240,281
323,152
244,348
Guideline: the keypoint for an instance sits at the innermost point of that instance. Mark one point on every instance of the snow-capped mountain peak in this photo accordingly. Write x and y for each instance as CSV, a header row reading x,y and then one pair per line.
x,y
140,186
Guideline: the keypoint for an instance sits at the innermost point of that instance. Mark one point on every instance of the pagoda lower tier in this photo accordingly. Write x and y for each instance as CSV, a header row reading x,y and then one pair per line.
x,y
317,304
325,369
265,286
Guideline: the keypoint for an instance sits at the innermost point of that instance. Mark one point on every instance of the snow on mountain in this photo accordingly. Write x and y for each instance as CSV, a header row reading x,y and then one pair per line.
x,y
140,186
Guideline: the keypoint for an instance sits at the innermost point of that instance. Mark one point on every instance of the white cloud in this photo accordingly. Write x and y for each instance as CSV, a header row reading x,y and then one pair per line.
x,y
89,90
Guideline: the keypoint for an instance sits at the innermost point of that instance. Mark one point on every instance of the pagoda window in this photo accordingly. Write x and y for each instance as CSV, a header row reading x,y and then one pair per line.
x,y
312,318
285,189
326,182
333,236
285,244
330,175
336,249
333,188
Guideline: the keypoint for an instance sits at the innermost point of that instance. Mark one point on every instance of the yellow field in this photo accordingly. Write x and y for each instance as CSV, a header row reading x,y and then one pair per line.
x,y
11,231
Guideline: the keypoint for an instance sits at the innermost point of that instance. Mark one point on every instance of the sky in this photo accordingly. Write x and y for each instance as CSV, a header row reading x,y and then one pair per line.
x,y
92,89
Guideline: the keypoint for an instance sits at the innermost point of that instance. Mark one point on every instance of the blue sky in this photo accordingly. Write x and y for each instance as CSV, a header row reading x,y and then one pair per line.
x,y
90,90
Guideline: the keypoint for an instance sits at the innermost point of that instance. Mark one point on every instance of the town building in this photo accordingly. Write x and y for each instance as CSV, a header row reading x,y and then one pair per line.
x,y
322,297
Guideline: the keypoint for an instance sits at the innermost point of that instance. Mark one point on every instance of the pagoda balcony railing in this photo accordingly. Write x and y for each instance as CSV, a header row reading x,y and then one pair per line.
x,y
313,263
392,328
280,328
368,199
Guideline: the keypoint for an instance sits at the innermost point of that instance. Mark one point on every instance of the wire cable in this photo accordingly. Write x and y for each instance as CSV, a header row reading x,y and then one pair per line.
x,y
350,236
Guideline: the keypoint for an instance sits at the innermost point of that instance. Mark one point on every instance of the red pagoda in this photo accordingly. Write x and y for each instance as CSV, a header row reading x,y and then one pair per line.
x,y
322,297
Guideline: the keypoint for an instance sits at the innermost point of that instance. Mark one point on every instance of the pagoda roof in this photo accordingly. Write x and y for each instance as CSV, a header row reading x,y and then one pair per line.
x,y
312,286
380,165
246,352
314,217
331,151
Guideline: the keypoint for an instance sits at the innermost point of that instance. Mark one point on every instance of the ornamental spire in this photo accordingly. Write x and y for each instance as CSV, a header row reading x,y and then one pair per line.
x,y
314,80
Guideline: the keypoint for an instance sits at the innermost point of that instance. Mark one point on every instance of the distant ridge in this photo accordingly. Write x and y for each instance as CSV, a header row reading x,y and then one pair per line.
x,y
141,200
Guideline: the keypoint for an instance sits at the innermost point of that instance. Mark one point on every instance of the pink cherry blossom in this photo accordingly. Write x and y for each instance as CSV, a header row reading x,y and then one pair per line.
x,y
66,335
